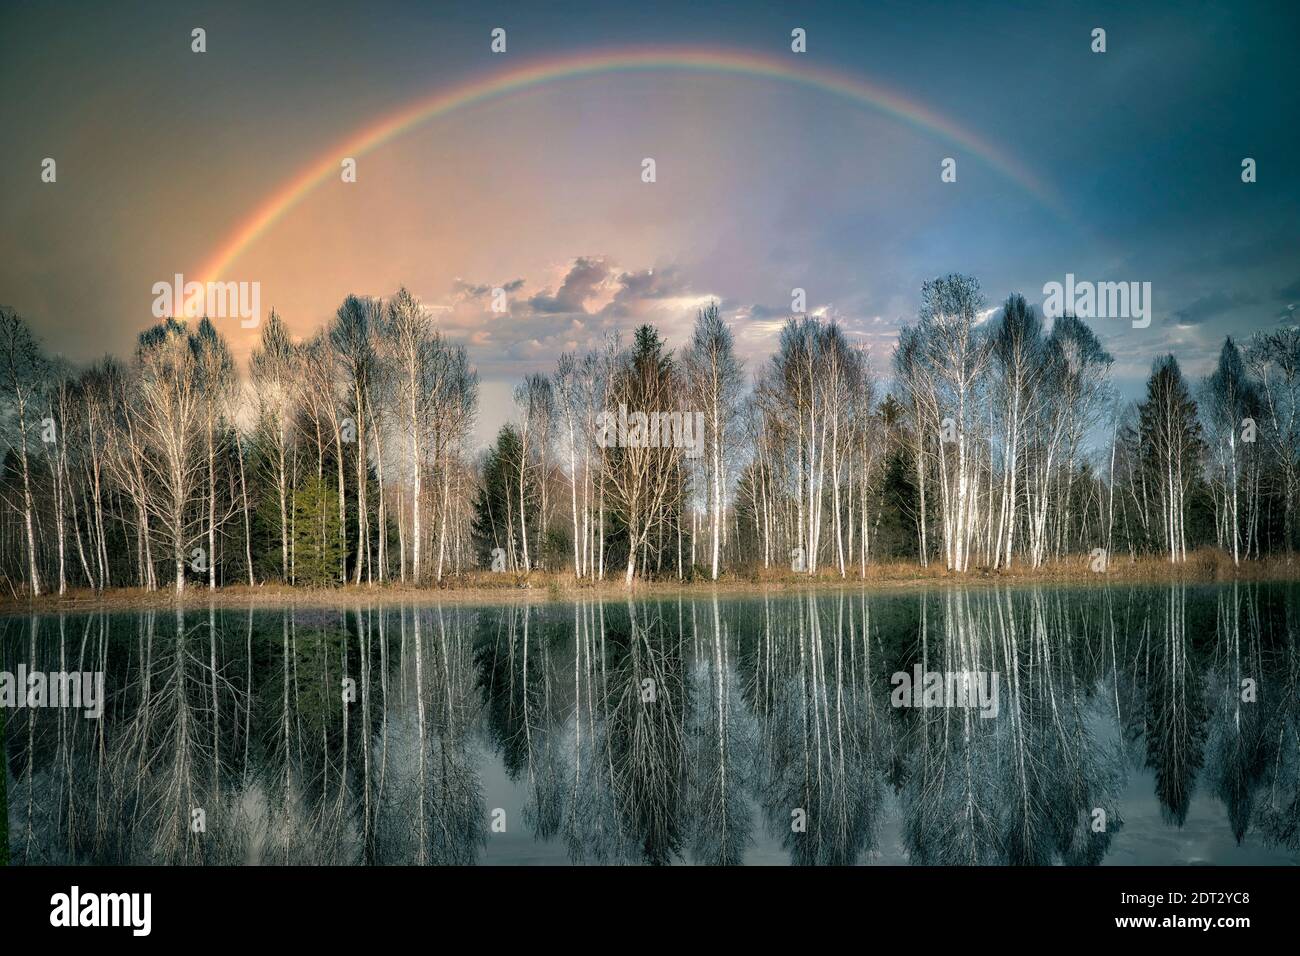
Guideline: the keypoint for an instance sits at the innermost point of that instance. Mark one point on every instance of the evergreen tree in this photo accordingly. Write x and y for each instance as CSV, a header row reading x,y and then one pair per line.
x,y
318,548
496,501
1169,436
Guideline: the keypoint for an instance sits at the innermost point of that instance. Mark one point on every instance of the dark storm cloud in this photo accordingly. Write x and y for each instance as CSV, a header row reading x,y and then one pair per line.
x,y
468,290
583,281
760,311
1213,305
1289,293
645,286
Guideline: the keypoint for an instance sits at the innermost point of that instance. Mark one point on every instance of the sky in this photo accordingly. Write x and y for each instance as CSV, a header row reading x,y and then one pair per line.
x,y
1117,166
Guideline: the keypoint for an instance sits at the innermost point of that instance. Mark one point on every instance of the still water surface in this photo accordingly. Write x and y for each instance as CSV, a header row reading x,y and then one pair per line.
x,y
1152,725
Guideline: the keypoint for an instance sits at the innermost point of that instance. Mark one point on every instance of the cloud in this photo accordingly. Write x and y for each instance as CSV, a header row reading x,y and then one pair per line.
x,y
1209,306
585,278
592,299
469,291
1290,292
760,311
637,288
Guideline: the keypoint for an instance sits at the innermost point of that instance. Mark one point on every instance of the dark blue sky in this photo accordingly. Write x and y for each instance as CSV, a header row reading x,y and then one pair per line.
x,y
763,186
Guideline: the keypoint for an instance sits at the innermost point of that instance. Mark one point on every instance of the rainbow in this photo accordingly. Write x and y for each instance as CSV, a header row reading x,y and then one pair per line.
x,y
787,68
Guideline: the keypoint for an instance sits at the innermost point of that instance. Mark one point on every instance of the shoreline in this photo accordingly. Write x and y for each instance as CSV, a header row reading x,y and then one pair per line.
x,y
560,587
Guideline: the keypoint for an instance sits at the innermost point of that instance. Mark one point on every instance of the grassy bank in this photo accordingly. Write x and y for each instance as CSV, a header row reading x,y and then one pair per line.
x,y
480,586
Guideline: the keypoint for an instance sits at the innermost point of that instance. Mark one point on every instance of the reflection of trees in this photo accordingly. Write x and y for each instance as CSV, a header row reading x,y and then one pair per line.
x,y
1273,642
645,738
1242,737
517,675
310,816
429,805
1173,712
605,768
952,794
1019,788
127,794
772,705
258,735
816,711
1061,773
592,827
718,741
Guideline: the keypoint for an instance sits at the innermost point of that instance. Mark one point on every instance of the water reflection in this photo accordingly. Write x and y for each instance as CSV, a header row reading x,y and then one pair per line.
x,y
700,729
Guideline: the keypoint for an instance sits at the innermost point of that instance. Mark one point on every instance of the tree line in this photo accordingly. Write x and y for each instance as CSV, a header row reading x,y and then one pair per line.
x,y
999,440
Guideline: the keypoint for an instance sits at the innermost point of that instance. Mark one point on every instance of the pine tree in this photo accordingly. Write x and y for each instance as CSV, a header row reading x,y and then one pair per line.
x,y
318,546
1170,445
496,502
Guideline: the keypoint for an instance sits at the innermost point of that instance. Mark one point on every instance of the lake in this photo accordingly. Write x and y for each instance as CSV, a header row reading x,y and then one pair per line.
x,y
984,725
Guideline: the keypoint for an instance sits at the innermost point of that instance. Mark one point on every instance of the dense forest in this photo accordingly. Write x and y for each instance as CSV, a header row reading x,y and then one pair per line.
x,y
997,439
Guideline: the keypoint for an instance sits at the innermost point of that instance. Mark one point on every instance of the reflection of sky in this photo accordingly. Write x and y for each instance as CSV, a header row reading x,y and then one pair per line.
x,y
516,846
1206,837
1144,840
762,186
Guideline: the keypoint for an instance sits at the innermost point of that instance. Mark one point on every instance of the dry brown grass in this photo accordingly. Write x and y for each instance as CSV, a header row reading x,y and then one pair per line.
x,y
1203,566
